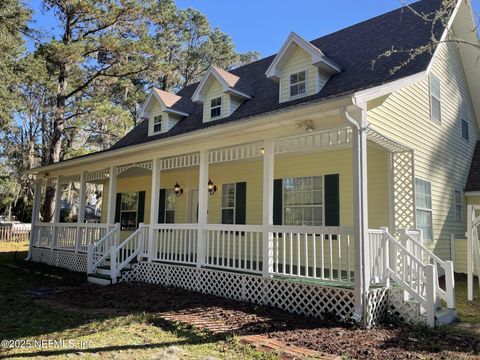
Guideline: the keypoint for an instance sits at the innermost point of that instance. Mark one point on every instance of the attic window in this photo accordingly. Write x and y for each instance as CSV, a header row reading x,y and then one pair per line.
x,y
215,107
157,123
297,84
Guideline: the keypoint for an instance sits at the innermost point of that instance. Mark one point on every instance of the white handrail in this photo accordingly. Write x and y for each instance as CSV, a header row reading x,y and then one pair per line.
x,y
99,251
421,252
124,253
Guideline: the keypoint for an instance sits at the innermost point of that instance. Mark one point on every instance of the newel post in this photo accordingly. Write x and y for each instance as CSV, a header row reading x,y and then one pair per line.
x,y
431,293
268,175
450,284
113,264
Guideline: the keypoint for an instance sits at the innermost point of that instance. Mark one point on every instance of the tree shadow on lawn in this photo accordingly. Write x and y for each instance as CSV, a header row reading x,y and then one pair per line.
x,y
69,303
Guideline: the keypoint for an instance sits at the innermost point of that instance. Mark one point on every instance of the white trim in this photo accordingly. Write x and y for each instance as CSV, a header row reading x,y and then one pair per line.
x,y
430,210
144,113
471,193
432,95
298,95
200,98
318,57
229,207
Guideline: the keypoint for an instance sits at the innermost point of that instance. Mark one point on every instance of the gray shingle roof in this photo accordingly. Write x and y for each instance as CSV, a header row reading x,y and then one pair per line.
x,y
353,48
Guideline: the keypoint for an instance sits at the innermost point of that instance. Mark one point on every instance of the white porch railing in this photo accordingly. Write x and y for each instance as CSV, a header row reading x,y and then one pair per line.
x,y
43,234
176,243
313,252
98,252
123,254
234,247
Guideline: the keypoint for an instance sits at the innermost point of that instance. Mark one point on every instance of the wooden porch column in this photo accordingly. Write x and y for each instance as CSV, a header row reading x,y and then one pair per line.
x,y
81,210
35,215
268,175
356,117
56,214
154,200
202,207
112,195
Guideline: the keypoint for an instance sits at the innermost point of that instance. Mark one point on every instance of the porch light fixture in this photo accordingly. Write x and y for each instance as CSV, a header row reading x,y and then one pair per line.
x,y
212,188
178,189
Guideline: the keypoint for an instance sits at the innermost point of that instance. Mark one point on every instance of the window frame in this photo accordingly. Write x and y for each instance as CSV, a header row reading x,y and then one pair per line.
x,y
233,208
458,215
464,120
154,123
290,84
424,209
216,107
312,205
438,98
123,211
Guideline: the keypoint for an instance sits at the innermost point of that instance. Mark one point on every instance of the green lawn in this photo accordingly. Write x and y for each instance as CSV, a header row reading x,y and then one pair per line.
x,y
134,336
468,311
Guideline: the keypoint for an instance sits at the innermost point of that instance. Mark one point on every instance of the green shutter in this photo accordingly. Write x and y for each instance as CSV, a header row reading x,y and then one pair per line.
x,y
332,200
141,207
161,206
277,201
240,203
118,206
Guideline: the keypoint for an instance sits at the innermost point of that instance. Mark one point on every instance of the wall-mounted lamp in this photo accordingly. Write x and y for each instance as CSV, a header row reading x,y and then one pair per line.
x,y
307,124
212,188
262,150
178,189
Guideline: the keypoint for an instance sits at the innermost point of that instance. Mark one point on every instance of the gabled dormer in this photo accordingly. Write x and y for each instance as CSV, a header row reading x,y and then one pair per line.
x,y
221,93
301,69
163,110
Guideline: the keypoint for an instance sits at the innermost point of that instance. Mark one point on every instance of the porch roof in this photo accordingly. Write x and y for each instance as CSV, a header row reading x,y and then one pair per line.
x,y
353,48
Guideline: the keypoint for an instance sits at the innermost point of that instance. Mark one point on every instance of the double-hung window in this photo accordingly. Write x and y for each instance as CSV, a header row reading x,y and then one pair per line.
x,y
303,201
170,202
216,107
457,203
129,211
228,203
464,121
157,123
435,98
297,84
423,204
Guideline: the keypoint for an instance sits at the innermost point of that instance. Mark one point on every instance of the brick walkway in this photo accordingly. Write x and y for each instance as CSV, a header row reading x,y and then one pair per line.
x,y
260,342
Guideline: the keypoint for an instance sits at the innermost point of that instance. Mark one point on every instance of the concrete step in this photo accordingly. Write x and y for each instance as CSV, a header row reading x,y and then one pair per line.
x,y
445,316
99,279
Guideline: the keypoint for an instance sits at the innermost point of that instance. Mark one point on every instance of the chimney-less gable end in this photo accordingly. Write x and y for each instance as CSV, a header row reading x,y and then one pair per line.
x,y
300,68
163,111
221,93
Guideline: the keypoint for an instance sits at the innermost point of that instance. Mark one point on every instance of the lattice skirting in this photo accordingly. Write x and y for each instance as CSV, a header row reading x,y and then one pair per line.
x,y
65,259
407,311
377,305
299,298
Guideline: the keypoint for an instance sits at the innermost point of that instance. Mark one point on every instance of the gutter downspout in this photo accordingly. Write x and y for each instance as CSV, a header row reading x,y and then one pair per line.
x,y
359,171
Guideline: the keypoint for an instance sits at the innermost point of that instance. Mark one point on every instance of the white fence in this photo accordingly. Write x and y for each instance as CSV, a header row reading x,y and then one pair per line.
x,y
15,233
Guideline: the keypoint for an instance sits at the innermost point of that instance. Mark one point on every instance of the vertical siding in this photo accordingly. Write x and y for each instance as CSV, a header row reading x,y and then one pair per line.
x,y
441,155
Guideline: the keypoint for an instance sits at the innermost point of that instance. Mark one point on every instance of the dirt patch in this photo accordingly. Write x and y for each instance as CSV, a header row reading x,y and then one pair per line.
x,y
227,316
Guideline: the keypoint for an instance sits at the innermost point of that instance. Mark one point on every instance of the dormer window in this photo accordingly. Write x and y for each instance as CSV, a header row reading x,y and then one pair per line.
x,y
297,84
216,107
157,123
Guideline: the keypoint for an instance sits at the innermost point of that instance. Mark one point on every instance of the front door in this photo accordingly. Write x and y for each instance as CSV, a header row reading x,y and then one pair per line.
x,y
193,206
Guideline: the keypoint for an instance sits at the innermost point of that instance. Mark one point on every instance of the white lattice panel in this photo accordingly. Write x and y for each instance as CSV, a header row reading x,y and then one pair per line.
x,y
144,165
65,259
407,311
97,175
181,161
307,299
237,152
377,305
403,190
314,140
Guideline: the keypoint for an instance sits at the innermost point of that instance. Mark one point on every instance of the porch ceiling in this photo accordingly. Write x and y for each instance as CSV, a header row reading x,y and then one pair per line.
x,y
385,142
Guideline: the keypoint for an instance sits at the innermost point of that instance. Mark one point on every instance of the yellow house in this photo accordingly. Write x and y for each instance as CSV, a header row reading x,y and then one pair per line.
x,y
311,174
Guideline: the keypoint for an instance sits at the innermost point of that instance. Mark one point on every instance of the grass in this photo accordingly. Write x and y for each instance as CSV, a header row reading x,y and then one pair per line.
x,y
133,336
468,311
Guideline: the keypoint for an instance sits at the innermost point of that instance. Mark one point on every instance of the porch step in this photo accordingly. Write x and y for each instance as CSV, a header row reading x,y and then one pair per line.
x,y
99,279
445,316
